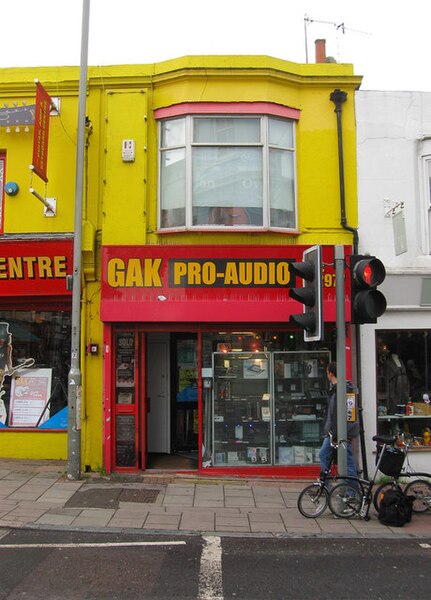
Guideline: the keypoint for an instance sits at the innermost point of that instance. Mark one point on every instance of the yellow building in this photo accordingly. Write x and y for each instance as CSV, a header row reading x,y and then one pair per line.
x,y
205,177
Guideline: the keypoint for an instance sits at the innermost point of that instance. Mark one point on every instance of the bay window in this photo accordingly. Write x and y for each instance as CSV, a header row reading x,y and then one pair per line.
x,y
227,171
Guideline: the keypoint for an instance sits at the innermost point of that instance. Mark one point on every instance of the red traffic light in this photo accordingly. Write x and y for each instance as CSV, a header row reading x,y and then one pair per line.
x,y
367,302
368,272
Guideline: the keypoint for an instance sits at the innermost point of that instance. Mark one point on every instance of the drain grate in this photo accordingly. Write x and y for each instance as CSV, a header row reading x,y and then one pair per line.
x,y
110,497
131,495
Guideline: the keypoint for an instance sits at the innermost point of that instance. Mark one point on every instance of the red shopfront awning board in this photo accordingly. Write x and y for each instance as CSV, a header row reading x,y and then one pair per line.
x,y
35,268
206,284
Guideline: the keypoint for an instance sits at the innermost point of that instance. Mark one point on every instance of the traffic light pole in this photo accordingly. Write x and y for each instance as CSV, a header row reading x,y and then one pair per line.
x,y
341,357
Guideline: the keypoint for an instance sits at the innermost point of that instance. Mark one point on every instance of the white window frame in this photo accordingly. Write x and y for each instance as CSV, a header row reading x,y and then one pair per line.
x,y
425,194
263,143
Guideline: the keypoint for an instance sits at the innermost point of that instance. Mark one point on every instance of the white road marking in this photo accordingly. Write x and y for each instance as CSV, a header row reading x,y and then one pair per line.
x,y
425,545
210,573
92,545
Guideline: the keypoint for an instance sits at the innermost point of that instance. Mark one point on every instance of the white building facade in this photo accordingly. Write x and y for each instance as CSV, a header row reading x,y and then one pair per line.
x,y
394,201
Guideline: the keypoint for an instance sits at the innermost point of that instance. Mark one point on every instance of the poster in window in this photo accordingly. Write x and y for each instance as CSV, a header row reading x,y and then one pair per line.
x,y
29,398
125,359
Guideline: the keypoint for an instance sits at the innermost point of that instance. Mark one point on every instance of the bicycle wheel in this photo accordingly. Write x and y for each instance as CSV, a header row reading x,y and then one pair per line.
x,y
313,500
421,490
345,500
380,492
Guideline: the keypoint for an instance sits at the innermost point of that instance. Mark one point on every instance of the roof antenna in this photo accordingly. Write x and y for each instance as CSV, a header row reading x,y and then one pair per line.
x,y
338,26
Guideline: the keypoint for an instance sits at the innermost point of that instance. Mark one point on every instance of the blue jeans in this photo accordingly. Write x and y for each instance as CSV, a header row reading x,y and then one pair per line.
x,y
326,455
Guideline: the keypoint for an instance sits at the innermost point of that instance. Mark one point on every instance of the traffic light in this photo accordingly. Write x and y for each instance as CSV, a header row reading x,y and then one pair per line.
x,y
310,294
367,302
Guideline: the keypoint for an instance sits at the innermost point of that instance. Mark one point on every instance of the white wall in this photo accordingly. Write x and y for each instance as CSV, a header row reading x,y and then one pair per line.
x,y
390,128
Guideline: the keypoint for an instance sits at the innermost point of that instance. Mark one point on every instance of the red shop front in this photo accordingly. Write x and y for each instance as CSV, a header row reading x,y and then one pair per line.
x,y
202,370
35,308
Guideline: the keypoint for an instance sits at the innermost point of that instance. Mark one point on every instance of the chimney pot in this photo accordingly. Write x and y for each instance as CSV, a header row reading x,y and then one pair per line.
x,y
320,51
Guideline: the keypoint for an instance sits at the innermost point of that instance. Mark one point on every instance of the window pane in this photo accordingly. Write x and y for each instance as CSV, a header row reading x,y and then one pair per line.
x,y
230,130
36,397
282,189
173,188
229,179
173,133
403,375
281,133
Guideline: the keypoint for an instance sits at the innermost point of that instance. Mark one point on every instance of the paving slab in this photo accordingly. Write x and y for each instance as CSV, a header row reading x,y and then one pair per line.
x,y
34,494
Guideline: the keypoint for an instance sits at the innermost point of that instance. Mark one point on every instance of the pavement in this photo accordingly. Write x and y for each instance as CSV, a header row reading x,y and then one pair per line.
x,y
38,495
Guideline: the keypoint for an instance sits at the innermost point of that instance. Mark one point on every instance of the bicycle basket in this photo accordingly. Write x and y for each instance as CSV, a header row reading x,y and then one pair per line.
x,y
392,461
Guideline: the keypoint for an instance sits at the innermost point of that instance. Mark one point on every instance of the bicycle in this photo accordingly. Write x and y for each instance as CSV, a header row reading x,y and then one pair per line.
x,y
420,487
315,498
347,500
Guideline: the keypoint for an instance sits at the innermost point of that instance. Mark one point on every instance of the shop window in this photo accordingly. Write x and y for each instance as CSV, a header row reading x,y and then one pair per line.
x,y
227,171
403,384
34,364
264,397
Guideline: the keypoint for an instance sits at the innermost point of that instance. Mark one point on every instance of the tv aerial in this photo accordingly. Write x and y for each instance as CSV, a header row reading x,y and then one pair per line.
x,y
338,26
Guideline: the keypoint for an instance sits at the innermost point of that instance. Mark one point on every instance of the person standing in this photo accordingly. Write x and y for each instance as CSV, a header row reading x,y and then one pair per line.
x,y
330,426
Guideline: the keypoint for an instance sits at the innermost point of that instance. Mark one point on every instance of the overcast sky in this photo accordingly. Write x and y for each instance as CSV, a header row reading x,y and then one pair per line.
x,y
386,41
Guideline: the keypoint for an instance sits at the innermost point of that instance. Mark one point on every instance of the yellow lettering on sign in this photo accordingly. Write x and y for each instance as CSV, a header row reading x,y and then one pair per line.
x,y
60,266
245,273
194,274
115,272
151,272
283,273
180,269
208,273
15,268
230,274
260,273
134,273
3,268
44,266
30,262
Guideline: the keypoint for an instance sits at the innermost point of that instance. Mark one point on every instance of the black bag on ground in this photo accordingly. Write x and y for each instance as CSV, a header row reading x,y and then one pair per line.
x,y
395,508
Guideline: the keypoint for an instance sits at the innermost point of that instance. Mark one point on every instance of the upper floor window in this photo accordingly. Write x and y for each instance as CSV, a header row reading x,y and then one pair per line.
x,y
227,171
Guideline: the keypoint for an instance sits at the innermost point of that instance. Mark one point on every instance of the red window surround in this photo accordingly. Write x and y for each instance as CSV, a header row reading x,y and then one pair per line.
x,y
240,108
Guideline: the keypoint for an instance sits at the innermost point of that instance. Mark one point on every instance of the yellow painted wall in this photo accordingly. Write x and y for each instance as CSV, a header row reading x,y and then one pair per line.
x,y
15,444
120,199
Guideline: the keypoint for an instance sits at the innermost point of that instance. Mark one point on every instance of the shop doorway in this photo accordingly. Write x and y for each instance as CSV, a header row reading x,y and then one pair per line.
x,y
171,401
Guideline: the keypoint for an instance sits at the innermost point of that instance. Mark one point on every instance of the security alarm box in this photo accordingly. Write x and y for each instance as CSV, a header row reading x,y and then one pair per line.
x,y
128,151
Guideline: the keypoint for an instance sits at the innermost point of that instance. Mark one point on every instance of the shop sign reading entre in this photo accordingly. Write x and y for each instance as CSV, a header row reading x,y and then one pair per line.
x,y
33,267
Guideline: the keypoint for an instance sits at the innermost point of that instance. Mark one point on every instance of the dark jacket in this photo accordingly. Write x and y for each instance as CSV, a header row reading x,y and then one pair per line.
x,y
330,422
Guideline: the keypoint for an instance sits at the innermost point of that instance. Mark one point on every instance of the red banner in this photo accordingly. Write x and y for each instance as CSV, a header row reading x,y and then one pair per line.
x,y
41,130
35,268
205,283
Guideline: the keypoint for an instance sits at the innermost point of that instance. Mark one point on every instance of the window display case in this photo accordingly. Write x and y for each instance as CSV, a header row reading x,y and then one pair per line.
x,y
300,390
268,407
241,409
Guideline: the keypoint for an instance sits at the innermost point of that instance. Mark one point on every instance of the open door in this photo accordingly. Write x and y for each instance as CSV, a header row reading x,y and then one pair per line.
x,y
158,397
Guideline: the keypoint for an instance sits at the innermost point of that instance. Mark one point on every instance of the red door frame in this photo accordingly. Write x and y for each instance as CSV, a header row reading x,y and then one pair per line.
x,y
110,408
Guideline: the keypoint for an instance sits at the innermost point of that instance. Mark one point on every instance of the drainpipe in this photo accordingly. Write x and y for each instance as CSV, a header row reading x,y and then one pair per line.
x,y
338,97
